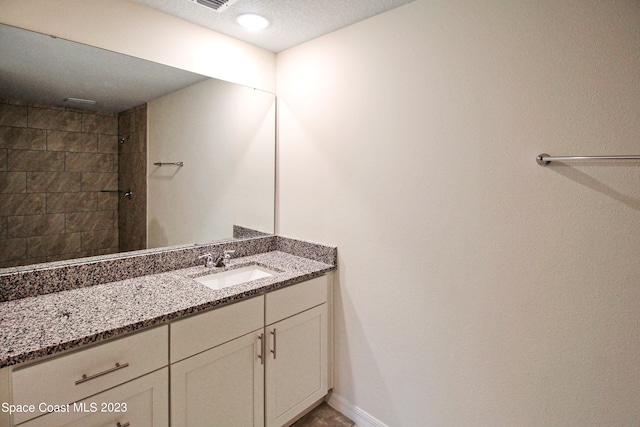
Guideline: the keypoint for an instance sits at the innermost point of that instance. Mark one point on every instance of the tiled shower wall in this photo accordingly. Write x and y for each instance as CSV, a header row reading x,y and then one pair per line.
x,y
132,175
54,165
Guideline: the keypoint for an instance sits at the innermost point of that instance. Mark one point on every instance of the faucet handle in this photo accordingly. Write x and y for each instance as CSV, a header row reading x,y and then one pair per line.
x,y
227,254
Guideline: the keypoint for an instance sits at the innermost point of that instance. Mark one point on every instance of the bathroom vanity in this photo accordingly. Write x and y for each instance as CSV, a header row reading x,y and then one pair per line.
x,y
162,349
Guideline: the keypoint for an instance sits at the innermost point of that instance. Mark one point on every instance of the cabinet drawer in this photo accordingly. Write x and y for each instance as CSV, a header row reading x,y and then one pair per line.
x,y
207,330
60,381
140,403
295,299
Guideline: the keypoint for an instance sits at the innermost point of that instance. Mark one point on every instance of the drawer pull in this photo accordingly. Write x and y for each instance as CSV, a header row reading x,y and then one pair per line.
x,y
122,425
274,342
86,378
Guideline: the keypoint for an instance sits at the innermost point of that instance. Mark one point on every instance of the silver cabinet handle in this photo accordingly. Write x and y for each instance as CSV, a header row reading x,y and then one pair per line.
x,y
274,342
122,425
86,378
261,355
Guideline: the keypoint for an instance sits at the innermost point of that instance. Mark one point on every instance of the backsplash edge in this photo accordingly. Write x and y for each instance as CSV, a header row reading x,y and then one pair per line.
x,y
47,278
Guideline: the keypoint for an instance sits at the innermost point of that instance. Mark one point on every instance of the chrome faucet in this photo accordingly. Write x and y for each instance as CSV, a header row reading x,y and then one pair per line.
x,y
219,261
208,260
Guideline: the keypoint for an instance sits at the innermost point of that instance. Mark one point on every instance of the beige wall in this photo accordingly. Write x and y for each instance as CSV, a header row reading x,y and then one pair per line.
x,y
126,27
475,287
225,135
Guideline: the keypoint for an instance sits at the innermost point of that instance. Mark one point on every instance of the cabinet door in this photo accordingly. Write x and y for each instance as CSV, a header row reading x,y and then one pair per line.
x,y
143,402
296,375
223,386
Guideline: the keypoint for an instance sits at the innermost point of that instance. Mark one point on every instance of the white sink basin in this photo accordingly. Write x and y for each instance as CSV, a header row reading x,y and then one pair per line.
x,y
234,277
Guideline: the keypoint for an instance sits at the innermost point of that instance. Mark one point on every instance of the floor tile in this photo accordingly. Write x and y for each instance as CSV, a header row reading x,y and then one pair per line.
x,y
324,416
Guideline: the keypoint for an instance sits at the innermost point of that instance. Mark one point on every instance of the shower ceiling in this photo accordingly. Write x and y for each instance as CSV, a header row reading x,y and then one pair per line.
x,y
292,21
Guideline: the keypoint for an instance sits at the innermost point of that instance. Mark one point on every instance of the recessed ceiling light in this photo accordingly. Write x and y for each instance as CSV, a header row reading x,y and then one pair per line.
x,y
252,21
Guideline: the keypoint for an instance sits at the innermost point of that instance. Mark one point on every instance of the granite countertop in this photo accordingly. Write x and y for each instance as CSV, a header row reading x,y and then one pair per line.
x,y
34,327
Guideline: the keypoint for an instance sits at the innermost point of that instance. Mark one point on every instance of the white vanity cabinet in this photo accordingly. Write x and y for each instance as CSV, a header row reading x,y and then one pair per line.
x,y
142,402
262,361
296,365
217,377
258,362
54,385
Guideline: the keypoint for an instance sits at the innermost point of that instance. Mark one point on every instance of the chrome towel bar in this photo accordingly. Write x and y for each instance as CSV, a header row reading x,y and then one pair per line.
x,y
544,159
180,164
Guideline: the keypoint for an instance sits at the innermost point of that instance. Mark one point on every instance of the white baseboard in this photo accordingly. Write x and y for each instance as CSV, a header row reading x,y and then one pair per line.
x,y
360,417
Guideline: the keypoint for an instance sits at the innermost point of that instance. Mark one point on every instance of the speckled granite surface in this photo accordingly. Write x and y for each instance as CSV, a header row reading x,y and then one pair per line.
x,y
240,232
37,326
39,279
303,248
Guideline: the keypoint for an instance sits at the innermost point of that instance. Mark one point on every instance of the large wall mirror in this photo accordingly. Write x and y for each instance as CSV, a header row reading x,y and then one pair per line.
x,y
103,153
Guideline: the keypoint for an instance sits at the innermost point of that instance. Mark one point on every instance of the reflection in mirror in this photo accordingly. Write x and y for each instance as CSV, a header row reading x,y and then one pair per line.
x,y
226,148
77,179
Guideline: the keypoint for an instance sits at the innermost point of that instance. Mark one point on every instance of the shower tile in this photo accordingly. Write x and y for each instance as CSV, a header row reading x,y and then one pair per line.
x,y
66,157
22,138
100,123
107,251
141,119
99,181
22,204
68,255
53,182
101,239
48,118
22,262
132,163
88,221
53,244
126,123
72,141
13,182
107,201
116,162
138,236
107,144
35,225
71,202
13,115
12,249
136,143
87,162
35,161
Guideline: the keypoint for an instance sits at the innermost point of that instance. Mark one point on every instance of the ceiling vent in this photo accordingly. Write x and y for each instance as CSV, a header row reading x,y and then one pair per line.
x,y
79,103
217,5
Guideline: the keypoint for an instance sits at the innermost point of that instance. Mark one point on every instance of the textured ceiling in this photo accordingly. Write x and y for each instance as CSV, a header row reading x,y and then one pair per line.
x,y
292,21
44,70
